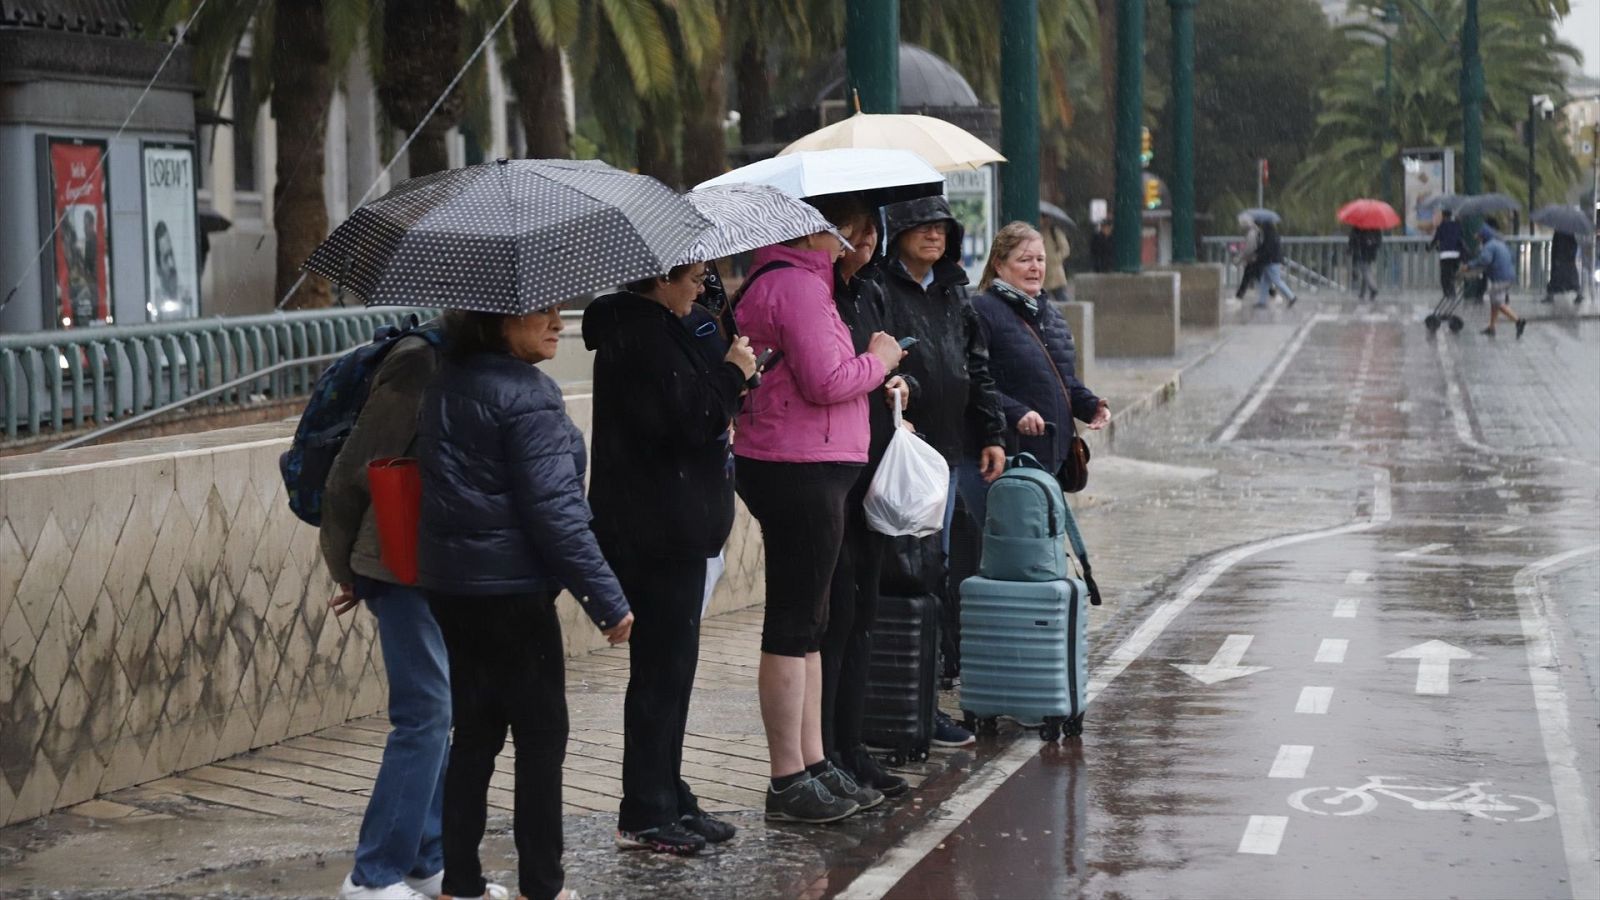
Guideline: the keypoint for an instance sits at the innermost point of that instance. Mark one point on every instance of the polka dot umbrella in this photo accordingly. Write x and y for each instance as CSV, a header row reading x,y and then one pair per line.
x,y
509,237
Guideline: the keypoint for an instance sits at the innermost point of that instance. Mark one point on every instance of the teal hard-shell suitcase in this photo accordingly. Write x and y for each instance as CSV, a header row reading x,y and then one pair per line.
x,y
1024,653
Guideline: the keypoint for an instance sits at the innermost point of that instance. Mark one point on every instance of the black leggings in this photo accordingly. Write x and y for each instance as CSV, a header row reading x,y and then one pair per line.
x,y
1447,275
801,509
847,643
664,647
506,669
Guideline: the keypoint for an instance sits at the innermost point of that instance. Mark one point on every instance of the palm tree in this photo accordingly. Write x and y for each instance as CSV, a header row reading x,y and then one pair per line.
x,y
1521,55
416,49
298,45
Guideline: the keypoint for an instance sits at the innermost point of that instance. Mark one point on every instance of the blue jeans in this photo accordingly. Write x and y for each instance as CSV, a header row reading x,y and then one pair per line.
x,y
1271,277
400,833
966,478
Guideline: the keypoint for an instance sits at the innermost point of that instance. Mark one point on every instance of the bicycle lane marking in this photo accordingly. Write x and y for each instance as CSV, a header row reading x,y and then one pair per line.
x,y
878,879
1573,813
1259,396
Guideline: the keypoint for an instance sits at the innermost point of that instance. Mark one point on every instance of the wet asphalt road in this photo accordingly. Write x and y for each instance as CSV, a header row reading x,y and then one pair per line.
x,y
1402,706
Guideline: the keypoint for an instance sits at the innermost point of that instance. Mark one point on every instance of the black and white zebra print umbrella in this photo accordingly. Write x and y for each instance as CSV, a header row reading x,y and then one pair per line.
x,y
509,237
746,216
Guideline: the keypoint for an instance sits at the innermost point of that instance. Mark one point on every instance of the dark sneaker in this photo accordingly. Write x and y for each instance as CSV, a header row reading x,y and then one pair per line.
x,y
670,838
1521,325
1488,332
946,733
866,769
840,784
808,801
714,830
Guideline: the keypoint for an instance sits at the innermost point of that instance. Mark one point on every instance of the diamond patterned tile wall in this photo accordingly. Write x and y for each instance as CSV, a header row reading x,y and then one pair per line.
x,y
163,611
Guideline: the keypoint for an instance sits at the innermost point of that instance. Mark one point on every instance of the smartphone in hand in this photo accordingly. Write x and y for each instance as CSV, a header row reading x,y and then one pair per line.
x,y
906,343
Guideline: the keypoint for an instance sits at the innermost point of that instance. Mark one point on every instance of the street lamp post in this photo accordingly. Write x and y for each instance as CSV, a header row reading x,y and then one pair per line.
x,y
1128,228
1019,110
1539,105
872,53
1183,242
1471,103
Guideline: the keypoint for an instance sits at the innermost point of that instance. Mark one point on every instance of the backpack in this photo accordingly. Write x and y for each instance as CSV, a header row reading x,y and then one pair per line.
x,y
336,401
1028,527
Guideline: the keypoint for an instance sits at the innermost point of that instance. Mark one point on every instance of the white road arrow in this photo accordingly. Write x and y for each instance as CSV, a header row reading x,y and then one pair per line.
x,y
1433,664
1225,664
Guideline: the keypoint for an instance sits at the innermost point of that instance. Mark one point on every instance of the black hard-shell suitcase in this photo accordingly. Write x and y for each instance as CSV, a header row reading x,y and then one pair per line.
x,y
898,714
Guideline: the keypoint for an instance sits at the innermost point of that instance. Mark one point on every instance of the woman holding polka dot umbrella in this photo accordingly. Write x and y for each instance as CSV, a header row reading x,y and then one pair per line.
x,y
504,523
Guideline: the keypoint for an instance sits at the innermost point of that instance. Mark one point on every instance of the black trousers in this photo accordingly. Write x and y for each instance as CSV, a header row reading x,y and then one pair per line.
x,y
663,649
1447,275
847,643
800,507
506,670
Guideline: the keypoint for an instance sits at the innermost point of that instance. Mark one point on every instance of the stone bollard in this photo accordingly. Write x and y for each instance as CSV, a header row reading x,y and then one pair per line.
x,y
1135,315
1080,321
1199,294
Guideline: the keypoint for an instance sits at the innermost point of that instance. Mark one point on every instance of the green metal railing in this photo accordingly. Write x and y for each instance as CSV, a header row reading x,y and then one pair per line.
x,y
59,382
1404,263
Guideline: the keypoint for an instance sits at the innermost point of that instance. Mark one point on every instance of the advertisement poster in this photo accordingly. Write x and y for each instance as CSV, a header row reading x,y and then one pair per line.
x,y
971,196
172,272
78,194
1428,175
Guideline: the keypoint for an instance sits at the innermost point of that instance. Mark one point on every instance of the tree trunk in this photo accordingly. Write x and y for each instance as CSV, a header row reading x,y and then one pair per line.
x,y
755,94
535,76
705,152
421,53
302,88
655,145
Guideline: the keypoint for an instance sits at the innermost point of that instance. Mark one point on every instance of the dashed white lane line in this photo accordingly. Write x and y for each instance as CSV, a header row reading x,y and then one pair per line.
x,y
1332,650
1519,510
1507,494
1507,529
1292,761
1314,701
1347,608
1424,550
1300,408
1357,576
1263,834
1268,383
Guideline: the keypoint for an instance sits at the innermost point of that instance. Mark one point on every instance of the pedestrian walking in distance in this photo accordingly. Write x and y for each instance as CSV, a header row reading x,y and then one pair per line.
x,y
1449,244
504,528
399,854
1563,267
1364,246
1031,351
853,594
662,493
1270,255
1102,252
803,437
1494,261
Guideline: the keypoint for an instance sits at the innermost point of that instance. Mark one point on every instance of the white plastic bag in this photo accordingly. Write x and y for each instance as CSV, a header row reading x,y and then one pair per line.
x,y
909,490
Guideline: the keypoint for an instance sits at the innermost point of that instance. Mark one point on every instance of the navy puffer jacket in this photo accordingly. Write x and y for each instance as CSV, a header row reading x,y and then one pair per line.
x,y
502,489
1034,361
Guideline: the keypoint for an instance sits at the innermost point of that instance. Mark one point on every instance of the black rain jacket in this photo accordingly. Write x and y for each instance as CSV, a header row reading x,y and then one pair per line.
x,y
957,407
662,481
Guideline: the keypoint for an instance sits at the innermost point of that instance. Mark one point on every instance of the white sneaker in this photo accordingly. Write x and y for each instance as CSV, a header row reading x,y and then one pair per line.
x,y
397,891
491,891
429,887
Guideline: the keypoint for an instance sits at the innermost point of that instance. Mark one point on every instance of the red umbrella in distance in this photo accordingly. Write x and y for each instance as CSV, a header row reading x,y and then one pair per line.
x,y
1374,214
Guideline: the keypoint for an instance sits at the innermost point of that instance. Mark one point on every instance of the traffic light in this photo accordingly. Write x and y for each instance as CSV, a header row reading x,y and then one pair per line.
x,y
1146,147
1152,193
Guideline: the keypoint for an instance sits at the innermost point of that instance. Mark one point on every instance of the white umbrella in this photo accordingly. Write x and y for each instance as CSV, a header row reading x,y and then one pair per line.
x,y
884,176
944,146
746,216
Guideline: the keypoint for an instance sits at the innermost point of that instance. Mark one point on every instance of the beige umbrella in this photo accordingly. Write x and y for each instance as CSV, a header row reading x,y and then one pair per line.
x,y
946,147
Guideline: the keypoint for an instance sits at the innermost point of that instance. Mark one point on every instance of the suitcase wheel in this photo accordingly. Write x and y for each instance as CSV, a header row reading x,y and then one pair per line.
x,y
969,721
988,725
1050,731
1074,726
895,759
920,754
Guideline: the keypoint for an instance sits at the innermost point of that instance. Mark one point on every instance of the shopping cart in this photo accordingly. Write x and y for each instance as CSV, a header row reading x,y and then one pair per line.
x,y
1444,312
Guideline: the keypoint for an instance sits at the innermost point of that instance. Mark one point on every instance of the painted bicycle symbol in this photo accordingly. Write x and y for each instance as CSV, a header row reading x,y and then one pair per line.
x,y
1471,798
